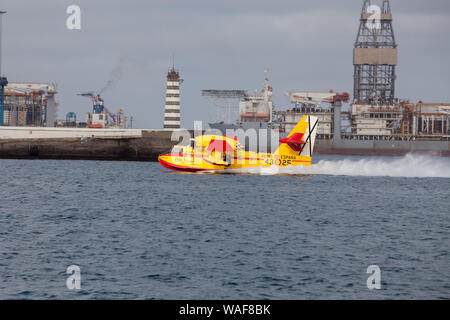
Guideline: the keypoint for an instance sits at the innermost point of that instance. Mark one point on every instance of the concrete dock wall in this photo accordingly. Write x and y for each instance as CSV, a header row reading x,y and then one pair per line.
x,y
50,133
145,147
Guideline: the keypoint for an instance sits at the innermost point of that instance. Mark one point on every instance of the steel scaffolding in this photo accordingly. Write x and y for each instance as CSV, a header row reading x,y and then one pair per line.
x,y
224,100
375,56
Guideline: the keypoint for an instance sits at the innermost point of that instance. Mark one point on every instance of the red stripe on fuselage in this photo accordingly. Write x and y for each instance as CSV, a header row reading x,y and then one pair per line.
x,y
176,167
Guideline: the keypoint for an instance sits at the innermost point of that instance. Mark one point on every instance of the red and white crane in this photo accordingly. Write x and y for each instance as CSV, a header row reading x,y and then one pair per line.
x,y
316,97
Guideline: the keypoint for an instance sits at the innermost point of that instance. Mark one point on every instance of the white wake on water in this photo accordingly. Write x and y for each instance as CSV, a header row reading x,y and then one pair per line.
x,y
408,166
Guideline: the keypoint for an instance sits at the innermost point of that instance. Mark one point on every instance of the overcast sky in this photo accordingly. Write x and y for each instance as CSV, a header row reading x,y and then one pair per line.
x,y
306,45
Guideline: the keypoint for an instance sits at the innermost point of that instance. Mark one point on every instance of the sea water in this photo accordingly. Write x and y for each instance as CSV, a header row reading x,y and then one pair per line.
x,y
136,230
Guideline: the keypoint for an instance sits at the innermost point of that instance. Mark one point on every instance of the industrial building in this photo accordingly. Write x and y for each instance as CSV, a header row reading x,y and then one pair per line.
x,y
30,104
374,114
375,111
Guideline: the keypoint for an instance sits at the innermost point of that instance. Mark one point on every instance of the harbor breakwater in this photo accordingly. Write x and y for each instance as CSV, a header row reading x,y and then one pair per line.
x,y
147,145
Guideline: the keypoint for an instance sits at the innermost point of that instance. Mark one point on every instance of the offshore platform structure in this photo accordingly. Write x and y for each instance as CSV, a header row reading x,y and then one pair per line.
x,y
375,111
375,56
224,100
26,103
30,104
252,109
325,105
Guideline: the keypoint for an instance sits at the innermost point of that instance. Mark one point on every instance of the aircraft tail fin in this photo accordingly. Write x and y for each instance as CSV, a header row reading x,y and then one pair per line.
x,y
301,139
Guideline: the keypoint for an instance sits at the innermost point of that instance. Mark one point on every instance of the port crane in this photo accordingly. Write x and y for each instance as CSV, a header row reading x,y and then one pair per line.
x,y
315,98
98,104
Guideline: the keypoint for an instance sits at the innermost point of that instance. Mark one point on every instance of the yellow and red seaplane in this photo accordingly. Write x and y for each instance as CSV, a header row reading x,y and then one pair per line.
x,y
215,153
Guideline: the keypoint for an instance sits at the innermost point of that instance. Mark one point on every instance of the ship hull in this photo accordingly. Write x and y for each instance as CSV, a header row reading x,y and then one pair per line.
x,y
382,148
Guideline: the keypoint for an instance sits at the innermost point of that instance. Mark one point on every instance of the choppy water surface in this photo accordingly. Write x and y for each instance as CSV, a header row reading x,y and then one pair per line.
x,y
137,230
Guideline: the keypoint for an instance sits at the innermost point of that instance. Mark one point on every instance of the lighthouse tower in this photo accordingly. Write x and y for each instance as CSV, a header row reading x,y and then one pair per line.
x,y
172,109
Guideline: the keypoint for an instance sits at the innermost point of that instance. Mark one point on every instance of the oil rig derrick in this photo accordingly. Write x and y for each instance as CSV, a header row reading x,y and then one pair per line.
x,y
375,56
